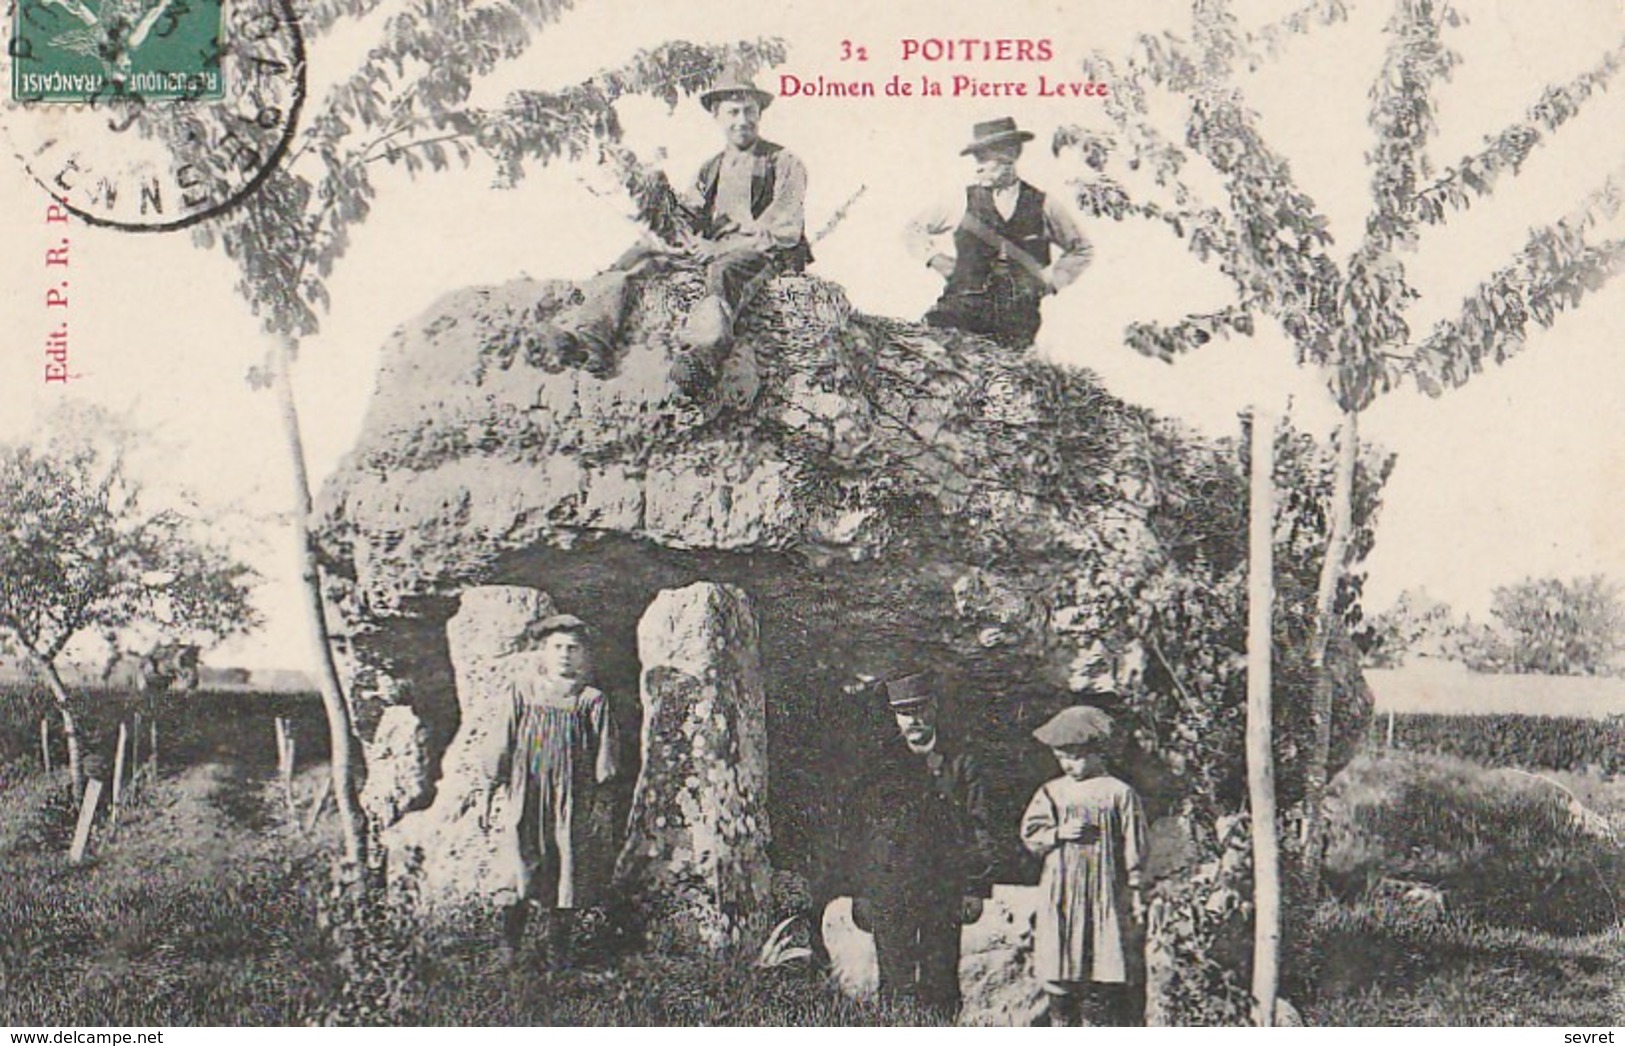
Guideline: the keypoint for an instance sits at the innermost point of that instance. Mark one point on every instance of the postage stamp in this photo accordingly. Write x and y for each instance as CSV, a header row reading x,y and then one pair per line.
x,y
79,50
151,115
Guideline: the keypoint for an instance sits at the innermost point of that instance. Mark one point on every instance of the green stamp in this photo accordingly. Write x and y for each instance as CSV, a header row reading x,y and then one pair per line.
x,y
90,50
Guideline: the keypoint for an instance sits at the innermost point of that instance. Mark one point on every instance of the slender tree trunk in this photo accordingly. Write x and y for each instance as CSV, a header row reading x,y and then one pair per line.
x,y
352,825
70,730
1260,756
1339,533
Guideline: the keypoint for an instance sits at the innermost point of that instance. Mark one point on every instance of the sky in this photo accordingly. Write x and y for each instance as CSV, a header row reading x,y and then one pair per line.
x,y
1516,474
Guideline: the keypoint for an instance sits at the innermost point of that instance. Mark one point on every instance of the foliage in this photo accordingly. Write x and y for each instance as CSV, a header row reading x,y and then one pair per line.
x,y
81,551
378,948
1414,623
1561,628
408,105
1187,611
1199,933
1535,742
1269,239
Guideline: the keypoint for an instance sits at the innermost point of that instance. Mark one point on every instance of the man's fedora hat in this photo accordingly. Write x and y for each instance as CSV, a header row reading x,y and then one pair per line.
x,y
989,133
906,693
732,85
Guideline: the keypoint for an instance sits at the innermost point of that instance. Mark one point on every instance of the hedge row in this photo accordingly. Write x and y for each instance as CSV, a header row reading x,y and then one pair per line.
x,y
1529,741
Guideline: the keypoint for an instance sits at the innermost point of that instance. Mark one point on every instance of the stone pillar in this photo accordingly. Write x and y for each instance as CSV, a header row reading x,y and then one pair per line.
x,y
695,861
397,765
462,855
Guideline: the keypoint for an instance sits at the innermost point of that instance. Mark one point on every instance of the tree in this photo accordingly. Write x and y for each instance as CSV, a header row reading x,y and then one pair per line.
x,y
1415,622
406,105
1562,628
80,553
1268,238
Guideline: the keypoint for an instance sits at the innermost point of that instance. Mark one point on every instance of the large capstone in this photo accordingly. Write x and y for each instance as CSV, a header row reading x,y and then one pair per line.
x,y
889,497
695,862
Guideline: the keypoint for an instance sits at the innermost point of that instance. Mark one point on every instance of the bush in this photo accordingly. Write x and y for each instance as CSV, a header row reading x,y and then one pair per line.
x,y
1505,850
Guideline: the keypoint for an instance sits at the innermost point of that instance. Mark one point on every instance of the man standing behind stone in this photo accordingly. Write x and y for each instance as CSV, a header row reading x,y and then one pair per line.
x,y
924,858
746,223
1002,247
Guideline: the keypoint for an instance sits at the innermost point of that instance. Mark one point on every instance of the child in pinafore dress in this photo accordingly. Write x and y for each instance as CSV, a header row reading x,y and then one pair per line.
x,y
560,746
1090,831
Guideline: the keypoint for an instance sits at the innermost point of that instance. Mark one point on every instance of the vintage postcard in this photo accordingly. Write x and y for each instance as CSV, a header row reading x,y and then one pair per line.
x,y
528,512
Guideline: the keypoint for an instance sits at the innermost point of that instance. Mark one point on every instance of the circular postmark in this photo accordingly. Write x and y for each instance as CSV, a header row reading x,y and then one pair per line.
x,y
151,115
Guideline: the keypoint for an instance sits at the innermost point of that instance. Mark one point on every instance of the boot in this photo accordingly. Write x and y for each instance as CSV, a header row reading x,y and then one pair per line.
x,y
1065,1011
514,918
709,329
560,939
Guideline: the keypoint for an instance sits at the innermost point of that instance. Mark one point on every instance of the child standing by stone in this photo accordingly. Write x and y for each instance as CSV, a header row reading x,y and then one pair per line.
x,y
1090,831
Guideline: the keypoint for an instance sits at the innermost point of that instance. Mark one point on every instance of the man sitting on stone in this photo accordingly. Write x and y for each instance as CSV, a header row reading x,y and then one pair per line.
x,y
741,224
1002,247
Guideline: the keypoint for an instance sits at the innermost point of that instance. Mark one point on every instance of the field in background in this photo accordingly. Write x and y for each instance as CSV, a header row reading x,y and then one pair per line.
x,y
235,726
1447,688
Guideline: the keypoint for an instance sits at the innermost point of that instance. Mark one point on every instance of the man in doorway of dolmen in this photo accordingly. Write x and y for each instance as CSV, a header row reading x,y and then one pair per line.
x,y
926,850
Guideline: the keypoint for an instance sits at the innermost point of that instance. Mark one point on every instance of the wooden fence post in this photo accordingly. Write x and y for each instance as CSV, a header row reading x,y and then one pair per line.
x,y
135,755
1259,734
152,752
45,743
118,773
321,801
284,765
87,813
1390,728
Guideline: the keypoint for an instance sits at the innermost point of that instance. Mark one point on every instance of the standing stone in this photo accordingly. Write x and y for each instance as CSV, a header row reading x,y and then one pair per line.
x,y
397,765
464,854
695,862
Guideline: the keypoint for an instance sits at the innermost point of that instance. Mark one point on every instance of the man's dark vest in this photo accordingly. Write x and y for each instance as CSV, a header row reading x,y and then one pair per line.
x,y
976,252
763,177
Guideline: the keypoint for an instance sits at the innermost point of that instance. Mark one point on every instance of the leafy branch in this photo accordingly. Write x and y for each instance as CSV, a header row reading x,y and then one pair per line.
x,y
1557,266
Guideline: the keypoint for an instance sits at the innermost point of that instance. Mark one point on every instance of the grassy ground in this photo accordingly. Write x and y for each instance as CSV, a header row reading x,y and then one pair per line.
x,y
203,909
1469,896
1378,966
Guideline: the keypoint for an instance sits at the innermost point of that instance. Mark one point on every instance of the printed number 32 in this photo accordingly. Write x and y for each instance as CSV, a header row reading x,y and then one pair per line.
x,y
851,52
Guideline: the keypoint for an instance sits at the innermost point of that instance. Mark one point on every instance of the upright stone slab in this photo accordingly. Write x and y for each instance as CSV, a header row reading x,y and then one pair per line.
x,y
397,765
462,854
695,861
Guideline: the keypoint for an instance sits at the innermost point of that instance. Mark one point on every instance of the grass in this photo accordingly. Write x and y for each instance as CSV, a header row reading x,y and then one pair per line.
x,y
182,918
203,910
1530,930
1504,847
1374,965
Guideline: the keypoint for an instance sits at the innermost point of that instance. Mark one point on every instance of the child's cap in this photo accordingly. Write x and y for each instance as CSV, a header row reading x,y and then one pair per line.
x,y
558,623
1078,725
